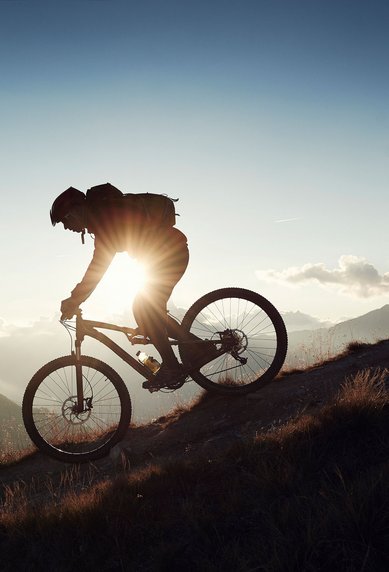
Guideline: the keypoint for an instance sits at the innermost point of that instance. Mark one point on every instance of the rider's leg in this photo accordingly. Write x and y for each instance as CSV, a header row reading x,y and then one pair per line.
x,y
154,320
150,315
166,266
175,330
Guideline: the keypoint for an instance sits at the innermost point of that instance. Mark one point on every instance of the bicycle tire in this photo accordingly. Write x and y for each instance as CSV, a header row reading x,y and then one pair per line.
x,y
52,424
260,333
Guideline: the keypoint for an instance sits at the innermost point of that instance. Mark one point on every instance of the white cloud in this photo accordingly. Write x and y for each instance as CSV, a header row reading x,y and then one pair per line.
x,y
354,275
282,220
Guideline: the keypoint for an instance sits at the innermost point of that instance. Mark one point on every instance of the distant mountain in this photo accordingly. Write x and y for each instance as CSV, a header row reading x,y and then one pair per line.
x,y
9,409
13,436
311,346
298,321
370,327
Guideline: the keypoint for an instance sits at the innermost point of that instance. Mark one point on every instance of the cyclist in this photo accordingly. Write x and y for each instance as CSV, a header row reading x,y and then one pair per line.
x,y
163,250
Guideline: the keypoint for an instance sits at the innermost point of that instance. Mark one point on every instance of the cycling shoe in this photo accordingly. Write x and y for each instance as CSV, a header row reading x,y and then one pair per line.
x,y
166,378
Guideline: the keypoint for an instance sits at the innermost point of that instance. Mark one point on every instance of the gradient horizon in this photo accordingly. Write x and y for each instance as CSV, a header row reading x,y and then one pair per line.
x,y
268,120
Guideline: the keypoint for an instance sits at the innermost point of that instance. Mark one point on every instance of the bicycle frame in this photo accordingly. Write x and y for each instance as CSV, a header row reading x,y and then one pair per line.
x,y
89,328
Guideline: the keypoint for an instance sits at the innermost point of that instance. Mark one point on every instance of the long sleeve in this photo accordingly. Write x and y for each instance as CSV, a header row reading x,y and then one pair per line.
x,y
102,258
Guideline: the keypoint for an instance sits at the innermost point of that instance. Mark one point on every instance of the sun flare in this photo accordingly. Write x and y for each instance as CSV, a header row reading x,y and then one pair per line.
x,y
118,287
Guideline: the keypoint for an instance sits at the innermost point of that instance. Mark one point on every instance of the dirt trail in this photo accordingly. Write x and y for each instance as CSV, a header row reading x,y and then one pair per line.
x,y
205,431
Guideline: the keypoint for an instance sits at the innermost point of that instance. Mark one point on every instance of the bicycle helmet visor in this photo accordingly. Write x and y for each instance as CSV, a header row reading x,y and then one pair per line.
x,y
64,203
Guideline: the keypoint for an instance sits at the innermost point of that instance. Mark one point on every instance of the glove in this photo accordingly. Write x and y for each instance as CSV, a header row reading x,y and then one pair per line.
x,y
68,308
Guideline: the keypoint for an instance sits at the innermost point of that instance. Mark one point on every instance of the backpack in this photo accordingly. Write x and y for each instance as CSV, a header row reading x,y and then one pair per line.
x,y
157,210
106,192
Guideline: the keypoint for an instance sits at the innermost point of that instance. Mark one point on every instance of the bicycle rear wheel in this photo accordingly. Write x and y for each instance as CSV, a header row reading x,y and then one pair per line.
x,y
248,331
51,417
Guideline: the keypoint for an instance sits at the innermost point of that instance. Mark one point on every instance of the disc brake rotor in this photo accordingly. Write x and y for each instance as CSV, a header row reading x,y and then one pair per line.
x,y
69,411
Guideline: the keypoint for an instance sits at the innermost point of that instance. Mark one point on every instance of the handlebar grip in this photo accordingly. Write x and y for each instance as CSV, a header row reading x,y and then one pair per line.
x,y
76,314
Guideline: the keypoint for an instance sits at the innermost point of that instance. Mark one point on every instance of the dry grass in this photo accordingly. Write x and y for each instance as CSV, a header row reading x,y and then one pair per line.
x,y
318,359
14,442
310,495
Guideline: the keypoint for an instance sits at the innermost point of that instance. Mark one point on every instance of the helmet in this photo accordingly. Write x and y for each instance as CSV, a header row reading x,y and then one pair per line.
x,y
64,203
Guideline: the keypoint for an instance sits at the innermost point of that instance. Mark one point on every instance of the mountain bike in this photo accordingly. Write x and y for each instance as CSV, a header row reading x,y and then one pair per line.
x,y
76,407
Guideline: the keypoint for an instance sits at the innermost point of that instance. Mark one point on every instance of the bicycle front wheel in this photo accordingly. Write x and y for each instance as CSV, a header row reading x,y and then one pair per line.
x,y
52,419
249,333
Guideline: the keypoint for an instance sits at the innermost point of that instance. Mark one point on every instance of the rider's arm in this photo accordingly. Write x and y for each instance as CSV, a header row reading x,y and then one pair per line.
x,y
102,258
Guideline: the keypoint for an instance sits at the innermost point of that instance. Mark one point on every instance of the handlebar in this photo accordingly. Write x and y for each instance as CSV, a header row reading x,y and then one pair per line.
x,y
77,314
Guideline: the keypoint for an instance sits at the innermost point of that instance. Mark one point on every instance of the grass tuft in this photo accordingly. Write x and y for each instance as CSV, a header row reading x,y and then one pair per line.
x,y
357,347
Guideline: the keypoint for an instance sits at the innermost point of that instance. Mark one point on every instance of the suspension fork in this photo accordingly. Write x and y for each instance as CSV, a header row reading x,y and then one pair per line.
x,y
79,384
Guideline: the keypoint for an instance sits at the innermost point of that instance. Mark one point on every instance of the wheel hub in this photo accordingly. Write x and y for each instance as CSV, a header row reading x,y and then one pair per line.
x,y
70,410
234,341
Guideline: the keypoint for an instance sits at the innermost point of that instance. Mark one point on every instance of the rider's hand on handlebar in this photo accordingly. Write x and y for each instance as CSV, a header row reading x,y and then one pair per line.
x,y
68,308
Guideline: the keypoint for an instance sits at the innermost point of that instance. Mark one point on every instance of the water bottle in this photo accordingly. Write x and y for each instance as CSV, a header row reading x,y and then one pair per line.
x,y
148,361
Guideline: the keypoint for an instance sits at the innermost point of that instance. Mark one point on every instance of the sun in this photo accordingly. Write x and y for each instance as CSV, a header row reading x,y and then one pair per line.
x,y
118,287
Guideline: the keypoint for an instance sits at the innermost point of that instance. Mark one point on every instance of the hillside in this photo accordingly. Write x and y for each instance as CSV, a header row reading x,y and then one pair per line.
x,y
12,433
9,409
307,347
216,422
203,481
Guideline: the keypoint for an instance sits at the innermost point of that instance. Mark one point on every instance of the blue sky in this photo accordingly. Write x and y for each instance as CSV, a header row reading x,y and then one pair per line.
x,y
268,119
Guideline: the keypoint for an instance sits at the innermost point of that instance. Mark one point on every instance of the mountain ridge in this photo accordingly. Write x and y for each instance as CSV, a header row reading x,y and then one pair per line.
x,y
306,347
9,409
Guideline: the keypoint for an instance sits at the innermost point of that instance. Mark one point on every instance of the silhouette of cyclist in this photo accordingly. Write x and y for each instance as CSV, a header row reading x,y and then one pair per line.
x,y
162,249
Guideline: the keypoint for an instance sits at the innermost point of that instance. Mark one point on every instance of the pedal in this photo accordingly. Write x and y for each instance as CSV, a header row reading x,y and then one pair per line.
x,y
150,386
